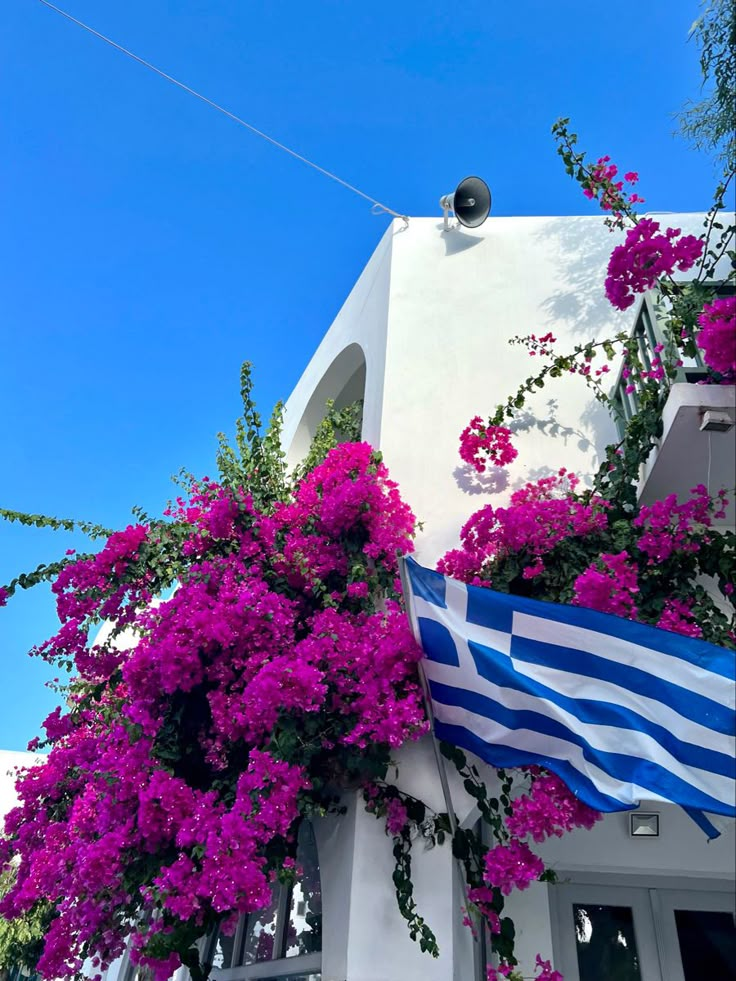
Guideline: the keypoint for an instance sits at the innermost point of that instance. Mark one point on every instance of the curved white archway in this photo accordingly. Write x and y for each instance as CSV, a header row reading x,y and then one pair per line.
x,y
344,383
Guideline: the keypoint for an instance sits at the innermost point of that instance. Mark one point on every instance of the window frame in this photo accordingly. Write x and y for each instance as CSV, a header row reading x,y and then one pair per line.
x,y
566,895
277,967
665,902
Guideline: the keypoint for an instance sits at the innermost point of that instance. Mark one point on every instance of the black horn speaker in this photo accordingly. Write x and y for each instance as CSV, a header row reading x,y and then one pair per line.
x,y
471,202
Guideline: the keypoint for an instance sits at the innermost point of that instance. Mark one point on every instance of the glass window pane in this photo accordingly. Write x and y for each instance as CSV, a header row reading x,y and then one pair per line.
x,y
135,973
304,930
224,953
707,943
261,933
606,944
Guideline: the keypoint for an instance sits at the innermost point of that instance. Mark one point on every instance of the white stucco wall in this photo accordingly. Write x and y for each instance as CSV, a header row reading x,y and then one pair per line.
x,y
9,763
361,324
434,312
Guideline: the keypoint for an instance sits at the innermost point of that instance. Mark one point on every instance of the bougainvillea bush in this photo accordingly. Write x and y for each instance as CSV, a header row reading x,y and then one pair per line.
x,y
203,727
557,542
199,730
207,722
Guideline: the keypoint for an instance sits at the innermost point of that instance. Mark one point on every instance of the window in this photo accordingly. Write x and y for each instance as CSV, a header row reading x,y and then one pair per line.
x,y
17,974
636,933
135,973
284,941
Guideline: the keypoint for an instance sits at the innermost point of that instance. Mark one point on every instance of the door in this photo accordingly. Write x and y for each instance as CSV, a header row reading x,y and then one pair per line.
x,y
698,931
605,933
634,933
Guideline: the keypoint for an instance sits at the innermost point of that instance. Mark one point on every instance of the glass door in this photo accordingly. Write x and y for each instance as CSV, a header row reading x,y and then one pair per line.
x,y
605,932
698,933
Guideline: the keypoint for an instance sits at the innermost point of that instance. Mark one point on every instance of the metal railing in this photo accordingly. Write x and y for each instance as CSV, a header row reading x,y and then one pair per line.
x,y
649,335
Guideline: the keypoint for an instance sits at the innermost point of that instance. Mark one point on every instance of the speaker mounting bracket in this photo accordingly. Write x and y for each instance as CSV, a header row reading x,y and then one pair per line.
x,y
446,208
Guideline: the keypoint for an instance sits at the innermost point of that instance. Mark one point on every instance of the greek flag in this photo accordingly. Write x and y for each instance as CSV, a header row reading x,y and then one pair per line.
x,y
621,711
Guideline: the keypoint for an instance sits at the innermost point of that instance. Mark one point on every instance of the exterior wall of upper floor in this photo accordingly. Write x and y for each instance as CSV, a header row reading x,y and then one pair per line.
x,y
443,308
428,326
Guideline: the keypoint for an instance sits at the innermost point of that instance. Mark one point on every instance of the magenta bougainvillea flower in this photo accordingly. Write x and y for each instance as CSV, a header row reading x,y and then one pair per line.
x,y
481,444
645,255
717,336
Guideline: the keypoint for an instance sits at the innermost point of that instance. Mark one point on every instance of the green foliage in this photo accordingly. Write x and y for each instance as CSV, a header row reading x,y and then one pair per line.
x,y
710,124
257,462
338,426
418,928
47,571
21,939
56,524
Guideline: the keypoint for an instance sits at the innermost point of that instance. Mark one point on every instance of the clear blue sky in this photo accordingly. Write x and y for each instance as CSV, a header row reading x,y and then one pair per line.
x,y
149,245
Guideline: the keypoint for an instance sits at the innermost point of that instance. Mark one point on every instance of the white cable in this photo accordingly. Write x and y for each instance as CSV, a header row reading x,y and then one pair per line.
x,y
377,208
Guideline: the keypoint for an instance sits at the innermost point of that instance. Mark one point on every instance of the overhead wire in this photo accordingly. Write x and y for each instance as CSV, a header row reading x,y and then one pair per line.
x,y
377,206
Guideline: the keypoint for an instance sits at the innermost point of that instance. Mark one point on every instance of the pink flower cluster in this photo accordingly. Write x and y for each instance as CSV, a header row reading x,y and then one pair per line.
x,y
541,346
610,584
512,866
678,617
174,785
484,898
549,808
717,336
602,184
498,973
481,444
656,371
645,255
545,971
543,967
668,527
539,516
396,816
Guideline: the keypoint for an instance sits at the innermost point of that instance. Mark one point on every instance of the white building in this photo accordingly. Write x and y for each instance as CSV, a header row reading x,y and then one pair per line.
x,y
423,340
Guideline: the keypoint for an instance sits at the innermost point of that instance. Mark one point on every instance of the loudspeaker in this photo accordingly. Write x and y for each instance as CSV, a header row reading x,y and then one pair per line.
x,y
471,202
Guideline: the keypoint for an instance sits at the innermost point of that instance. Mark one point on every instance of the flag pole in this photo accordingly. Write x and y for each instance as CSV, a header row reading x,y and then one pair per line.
x,y
439,758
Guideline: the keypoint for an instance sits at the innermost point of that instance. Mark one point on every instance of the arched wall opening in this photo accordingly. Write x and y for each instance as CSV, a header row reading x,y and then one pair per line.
x,y
343,383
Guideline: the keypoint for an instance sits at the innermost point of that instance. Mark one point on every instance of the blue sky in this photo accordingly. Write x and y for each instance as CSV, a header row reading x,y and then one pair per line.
x,y
149,245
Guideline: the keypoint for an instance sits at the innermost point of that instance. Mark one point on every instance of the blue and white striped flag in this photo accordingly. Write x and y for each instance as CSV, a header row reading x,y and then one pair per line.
x,y
621,711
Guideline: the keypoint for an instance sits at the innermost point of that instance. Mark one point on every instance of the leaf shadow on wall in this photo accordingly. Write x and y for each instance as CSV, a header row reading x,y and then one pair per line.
x,y
549,425
595,430
581,251
493,481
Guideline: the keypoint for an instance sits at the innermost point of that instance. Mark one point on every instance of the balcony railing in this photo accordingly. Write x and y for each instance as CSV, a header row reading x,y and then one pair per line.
x,y
687,452
649,335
